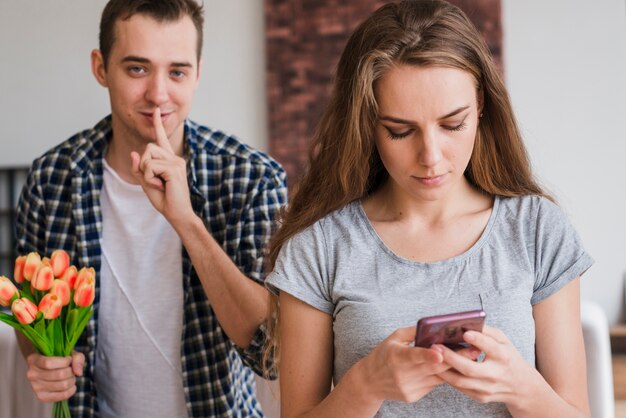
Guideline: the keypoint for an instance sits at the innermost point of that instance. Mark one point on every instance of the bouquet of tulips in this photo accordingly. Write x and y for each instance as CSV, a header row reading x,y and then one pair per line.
x,y
52,305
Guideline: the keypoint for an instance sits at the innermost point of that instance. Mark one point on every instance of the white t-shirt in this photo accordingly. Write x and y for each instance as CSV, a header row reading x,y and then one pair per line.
x,y
138,359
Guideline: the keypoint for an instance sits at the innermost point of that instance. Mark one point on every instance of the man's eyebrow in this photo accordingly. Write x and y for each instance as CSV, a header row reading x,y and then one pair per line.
x,y
182,64
409,122
142,60
134,58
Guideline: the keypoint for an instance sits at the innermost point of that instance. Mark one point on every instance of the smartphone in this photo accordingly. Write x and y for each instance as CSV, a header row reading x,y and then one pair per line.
x,y
448,329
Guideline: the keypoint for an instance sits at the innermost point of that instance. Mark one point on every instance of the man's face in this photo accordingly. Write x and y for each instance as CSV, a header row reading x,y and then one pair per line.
x,y
151,64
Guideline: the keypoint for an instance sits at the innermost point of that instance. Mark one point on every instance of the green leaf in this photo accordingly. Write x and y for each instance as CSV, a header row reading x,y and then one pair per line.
x,y
40,324
63,317
39,341
25,291
84,314
11,320
70,324
60,341
50,336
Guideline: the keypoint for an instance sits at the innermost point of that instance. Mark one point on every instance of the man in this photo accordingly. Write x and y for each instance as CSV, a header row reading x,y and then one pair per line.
x,y
173,216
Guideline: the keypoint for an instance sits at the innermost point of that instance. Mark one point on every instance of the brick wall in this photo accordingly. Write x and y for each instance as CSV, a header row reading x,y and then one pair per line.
x,y
304,40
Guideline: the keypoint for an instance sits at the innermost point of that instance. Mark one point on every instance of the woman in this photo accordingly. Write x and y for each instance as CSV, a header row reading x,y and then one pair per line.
x,y
419,200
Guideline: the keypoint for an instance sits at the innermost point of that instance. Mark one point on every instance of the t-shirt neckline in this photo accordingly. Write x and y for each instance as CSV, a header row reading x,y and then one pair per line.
x,y
446,262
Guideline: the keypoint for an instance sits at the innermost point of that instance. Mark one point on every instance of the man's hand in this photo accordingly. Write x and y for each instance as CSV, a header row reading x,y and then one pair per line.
x,y
163,176
54,378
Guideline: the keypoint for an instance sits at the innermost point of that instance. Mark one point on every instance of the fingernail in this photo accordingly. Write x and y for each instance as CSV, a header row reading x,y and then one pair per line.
x,y
437,348
469,336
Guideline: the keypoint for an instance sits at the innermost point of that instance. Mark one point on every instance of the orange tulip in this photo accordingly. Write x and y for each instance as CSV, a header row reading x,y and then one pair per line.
x,y
70,276
18,273
84,273
31,265
7,291
85,292
24,310
44,277
60,261
50,305
62,289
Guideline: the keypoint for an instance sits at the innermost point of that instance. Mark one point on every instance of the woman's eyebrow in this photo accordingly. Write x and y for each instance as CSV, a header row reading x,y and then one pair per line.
x,y
455,112
409,122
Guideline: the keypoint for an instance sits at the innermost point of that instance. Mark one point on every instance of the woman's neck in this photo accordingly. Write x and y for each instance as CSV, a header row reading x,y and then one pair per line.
x,y
390,203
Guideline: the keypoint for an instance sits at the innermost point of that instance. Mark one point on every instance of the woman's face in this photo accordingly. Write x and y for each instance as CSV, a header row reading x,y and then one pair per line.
x,y
426,128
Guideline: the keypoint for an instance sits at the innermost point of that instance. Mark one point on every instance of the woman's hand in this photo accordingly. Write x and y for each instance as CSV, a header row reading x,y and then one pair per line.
x,y
395,370
503,375
53,379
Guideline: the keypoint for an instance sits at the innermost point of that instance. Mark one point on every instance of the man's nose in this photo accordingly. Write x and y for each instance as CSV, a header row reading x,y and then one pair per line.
x,y
157,90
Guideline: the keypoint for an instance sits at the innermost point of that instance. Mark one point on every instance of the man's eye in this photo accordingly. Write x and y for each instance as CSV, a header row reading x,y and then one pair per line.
x,y
177,73
136,70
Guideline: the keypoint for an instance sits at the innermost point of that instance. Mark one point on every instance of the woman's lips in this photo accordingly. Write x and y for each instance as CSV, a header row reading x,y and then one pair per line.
x,y
431,181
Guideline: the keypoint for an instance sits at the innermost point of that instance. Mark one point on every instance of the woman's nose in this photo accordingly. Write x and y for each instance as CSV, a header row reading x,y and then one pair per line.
x,y
430,151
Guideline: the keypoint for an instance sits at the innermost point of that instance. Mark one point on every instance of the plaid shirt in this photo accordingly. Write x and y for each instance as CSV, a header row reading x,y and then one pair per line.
x,y
236,190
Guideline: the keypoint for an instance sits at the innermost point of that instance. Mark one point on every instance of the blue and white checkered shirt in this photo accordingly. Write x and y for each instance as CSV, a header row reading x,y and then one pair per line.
x,y
235,189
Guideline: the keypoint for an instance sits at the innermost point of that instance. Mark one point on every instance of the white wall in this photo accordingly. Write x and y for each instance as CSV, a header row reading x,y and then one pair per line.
x,y
47,92
565,64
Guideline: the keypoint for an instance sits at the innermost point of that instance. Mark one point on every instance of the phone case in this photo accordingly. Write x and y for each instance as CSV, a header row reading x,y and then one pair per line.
x,y
448,329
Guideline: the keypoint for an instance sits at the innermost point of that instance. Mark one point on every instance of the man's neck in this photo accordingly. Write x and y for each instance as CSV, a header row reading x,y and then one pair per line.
x,y
118,158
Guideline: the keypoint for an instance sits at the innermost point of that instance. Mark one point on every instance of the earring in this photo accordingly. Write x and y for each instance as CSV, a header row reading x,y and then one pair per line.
x,y
481,115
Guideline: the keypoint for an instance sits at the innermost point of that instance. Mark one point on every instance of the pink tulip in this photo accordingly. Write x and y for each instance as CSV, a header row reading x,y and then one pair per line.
x,y
24,310
62,289
44,277
85,292
50,305
7,291
60,261
84,273
70,276
18,273
31,265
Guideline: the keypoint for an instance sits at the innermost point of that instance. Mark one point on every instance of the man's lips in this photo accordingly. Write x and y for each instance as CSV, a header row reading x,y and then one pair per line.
x,y
164,114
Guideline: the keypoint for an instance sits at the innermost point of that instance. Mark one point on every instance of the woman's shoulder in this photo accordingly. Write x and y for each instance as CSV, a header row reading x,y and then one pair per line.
x,y
346,218
530,205
532,216
337,222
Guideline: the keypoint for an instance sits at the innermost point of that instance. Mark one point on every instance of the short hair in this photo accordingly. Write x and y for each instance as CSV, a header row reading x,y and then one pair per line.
x,y
160,10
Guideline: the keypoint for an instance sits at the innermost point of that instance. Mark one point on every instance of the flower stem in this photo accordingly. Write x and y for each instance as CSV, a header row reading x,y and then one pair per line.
x,y
61,410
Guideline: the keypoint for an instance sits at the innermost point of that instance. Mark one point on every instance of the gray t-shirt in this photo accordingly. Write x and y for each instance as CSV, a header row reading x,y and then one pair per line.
x,y
339,265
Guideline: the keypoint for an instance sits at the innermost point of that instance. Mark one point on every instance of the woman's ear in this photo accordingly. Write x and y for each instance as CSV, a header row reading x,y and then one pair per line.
x,y
97,67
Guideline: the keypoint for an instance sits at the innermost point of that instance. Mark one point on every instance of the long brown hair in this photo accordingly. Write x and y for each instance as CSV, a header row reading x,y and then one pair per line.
x,y
344,164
